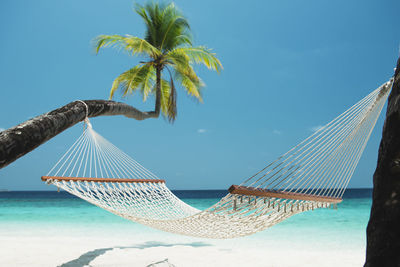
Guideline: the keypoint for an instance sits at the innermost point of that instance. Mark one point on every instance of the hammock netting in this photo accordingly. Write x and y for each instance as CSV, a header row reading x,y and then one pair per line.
x,y
314,174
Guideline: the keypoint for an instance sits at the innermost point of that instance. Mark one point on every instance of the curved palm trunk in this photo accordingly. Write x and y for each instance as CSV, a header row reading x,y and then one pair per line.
x,y
23,138
383,231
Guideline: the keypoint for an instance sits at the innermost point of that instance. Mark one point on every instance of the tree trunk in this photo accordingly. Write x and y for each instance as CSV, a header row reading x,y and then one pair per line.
x,y
23,138
383,231
158,90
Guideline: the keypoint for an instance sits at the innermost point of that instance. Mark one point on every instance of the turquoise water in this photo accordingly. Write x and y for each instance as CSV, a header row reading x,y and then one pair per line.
x,y
23,213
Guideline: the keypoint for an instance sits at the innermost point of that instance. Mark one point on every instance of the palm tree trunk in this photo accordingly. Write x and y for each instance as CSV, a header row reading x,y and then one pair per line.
x,y
383,231
23,138
158,91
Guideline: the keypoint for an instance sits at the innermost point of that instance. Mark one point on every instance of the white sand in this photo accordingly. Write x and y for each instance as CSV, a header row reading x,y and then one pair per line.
x,y
143,247
182,255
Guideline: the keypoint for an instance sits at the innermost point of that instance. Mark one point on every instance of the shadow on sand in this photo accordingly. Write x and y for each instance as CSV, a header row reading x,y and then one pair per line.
x,y
87,257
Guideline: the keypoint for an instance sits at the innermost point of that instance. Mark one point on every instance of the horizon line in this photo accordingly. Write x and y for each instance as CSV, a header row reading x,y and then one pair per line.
x,y
51,190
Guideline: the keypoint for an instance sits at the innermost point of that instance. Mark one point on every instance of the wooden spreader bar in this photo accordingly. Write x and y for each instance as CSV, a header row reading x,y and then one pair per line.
x,y
252,191
102,180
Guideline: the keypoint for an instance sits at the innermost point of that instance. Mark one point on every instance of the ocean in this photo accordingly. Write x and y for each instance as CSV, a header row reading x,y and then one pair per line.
x,y
23,210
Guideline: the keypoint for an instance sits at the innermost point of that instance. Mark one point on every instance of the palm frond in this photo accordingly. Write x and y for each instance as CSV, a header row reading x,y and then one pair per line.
x,y
150,31
148,83
190,82
177,59
133,45
200,55
172,110
166,92
165,95
133,79
185,73
176,29
166,27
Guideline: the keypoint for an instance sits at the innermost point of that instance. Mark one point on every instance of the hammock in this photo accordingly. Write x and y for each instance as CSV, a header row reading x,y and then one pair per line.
x,y
314,174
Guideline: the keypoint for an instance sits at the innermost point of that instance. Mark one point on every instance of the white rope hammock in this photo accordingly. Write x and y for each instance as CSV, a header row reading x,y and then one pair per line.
x,y
314,174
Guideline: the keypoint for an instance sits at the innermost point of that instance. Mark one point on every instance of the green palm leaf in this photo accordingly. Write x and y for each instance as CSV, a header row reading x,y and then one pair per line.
x,y
148,83
165,94
133,79
190,82
200,55
166,27
131,44
178,59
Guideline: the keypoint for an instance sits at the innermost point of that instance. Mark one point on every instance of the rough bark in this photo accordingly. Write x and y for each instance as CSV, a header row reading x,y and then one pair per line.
x,y
158,90
23,138
383,231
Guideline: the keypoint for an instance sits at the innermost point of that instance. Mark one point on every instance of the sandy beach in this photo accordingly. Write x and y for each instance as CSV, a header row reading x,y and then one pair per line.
x,y
60,247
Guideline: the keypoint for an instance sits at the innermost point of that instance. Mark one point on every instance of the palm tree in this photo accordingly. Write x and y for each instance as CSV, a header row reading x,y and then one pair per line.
x,y
167,48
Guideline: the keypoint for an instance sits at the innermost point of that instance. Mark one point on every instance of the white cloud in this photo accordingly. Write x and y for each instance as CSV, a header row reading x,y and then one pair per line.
x,y
316,128
201,131
1,129
275,131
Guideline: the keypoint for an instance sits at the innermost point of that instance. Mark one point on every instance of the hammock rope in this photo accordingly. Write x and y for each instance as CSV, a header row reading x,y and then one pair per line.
x,y
314,174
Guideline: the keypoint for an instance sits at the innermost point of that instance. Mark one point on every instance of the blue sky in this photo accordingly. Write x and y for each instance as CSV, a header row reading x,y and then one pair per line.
x,y
289,66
